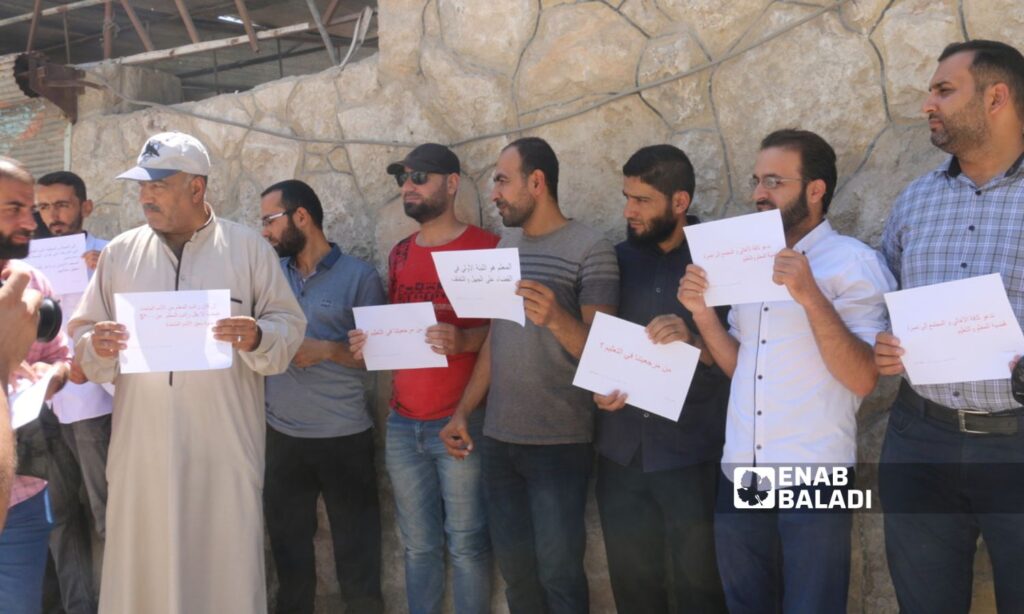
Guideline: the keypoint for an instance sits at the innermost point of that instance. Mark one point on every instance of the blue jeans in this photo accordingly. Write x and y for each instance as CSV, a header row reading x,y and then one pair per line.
x,y
23,545
439,499
792,561
940,490
536,496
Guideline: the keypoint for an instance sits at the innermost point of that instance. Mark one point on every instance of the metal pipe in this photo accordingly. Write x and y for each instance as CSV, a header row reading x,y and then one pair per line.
x,y
323,32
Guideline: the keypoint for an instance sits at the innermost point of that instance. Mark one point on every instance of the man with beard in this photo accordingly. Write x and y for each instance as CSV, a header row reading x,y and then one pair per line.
x,y
320,434
950,462
79,424
438,500
799,370
24,538
655,477
185,471
536,450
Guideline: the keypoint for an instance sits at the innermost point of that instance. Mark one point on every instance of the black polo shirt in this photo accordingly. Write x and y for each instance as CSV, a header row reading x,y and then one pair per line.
x,y
649,281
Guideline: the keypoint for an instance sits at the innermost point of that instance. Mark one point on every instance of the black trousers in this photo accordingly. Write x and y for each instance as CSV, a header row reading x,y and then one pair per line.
x,y
659,536
341,469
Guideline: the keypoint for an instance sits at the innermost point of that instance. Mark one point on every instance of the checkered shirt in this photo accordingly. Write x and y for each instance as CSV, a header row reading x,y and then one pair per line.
x,y
943,228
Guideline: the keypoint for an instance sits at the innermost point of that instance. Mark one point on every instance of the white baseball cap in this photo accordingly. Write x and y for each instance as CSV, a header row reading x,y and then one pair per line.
x,y
168,153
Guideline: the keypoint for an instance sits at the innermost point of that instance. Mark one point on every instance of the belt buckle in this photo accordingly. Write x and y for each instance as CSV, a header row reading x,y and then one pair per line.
x,y
962,414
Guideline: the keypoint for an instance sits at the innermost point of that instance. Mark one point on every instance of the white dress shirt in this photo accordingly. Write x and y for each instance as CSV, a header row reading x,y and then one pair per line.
x,y
81,401
785,408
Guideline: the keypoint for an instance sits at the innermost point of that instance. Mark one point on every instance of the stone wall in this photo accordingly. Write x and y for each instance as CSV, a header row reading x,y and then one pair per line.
x,y
477,74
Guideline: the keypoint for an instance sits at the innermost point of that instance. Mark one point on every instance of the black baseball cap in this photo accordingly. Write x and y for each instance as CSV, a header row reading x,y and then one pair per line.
x,y
429,157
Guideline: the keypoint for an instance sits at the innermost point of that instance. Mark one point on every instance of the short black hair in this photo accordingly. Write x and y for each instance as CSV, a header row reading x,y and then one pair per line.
x,y
65,178
994,62
663,167
536,154
295,194
817,158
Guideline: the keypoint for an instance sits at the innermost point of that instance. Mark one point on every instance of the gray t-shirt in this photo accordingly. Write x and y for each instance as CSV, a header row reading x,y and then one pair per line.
x,y
531,398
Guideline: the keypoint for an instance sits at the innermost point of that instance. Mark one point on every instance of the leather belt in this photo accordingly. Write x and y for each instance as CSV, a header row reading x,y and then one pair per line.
x,y
969,421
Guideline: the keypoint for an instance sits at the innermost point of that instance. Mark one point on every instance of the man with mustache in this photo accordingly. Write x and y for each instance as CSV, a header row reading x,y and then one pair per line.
x,y
80,419
799,370
24,539
950,462
536,450
319,433
656,477
184,511
438,500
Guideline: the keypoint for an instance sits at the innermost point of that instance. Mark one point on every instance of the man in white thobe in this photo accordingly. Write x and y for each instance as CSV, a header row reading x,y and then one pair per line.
x,y
185,467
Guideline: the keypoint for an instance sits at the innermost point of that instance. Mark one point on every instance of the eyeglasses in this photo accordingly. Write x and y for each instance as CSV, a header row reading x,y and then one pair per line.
x,y
418,177
267,219
60,205
770,182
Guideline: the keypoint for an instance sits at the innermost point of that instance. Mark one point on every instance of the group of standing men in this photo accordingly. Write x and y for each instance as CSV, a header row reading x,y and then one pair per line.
x,y
494,452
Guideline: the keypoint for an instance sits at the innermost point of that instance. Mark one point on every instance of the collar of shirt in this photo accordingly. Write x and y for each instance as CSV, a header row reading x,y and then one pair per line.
x,y
325,263
815,237
951,168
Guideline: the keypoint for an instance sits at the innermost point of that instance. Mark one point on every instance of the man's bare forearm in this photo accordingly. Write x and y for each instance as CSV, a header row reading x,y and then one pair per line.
x,y
847,357
479,381
722,346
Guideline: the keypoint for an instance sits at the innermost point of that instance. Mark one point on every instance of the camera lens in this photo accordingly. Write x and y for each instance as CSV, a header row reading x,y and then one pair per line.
x,y
49,320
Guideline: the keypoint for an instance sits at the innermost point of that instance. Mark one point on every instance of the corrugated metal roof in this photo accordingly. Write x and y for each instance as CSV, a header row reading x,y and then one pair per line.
x,y
32,130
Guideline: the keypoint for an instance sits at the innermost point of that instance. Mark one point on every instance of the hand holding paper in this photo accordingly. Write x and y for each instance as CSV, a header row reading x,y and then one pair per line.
x,y
620,356
738,257
60,259
27,400
396,336
481,283
172,331
957,331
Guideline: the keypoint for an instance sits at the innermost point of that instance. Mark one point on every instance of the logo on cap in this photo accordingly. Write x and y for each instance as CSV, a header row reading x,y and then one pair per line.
x,y
152,150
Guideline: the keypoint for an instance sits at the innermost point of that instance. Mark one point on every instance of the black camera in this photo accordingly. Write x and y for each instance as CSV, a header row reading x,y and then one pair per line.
x,y
50,316
1017,381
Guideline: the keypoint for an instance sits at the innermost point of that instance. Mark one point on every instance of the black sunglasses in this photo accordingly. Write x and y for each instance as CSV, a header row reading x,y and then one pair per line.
x,y
418,177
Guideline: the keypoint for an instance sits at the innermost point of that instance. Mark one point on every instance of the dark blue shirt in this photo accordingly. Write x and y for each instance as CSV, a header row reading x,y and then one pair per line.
x,y
325,399
649,281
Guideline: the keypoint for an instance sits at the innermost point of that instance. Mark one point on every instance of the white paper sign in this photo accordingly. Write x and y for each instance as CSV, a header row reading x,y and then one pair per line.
x,y
620,356
481,283
27,401
60,259
171,331
958,331
396,336
738,255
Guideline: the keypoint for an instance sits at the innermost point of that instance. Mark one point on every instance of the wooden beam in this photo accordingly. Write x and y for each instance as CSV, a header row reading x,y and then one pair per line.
x,y
329,13
243,12
163,54
187,20
67,40
36,9
56,10
108,29
143,36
